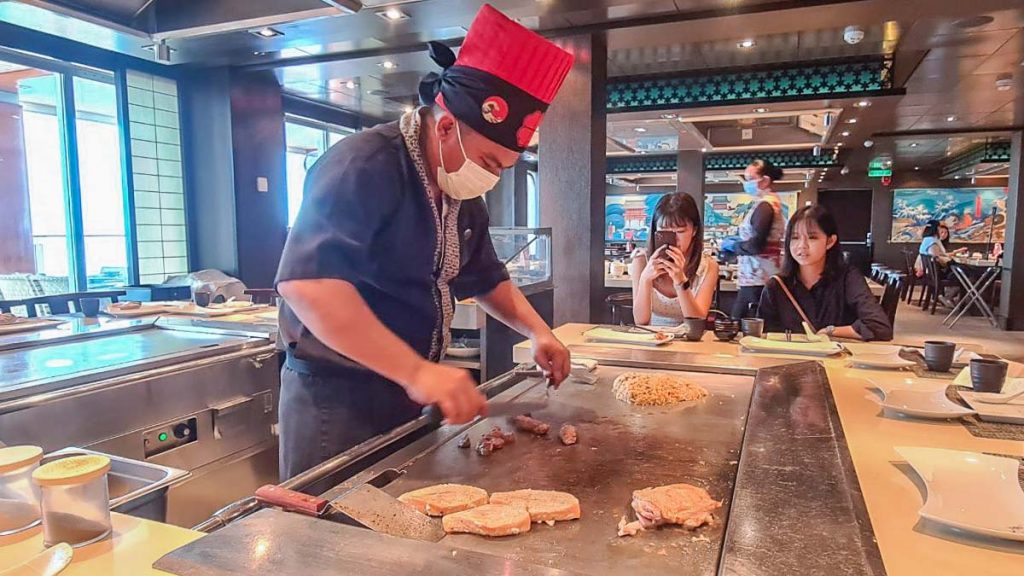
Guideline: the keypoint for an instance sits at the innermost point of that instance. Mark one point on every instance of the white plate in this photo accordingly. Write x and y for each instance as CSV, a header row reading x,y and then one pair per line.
x,y
145,309
1011,412
974,492
467,348
214,310
923,402
28,324
884,361
640,339
805,348
872,349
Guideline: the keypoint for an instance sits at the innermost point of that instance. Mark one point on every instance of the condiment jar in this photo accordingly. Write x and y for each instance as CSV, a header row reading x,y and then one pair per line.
x,y
19,496
75,500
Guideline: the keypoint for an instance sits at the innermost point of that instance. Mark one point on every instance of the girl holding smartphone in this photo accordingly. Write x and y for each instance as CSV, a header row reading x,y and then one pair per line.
x,y
672,278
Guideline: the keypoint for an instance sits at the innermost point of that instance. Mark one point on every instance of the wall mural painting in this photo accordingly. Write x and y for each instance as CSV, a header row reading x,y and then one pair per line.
x,y
723,213
627,218
971,213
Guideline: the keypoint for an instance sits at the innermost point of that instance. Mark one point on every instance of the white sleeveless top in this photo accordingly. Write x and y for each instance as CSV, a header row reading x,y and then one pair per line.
x,y
666,311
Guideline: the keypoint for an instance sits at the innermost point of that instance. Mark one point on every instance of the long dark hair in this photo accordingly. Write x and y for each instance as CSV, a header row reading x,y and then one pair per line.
x,y
821,218
931,228
677,209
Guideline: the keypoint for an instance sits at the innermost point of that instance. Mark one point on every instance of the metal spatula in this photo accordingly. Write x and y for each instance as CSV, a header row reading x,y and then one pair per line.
x,y
364,505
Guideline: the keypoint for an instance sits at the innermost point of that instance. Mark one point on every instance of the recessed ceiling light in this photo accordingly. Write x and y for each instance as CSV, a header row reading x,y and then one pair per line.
x,y
917,167
851,121
760,110
351,84
392,14
746,43
267,32
838,144
640,129
703,149
668,116
863,104
845,133
914,144
951,118
388,65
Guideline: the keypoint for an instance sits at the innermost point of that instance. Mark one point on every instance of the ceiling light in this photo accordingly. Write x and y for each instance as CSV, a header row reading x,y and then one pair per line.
x,y
845,133
913,144
863,104
917,167
760,110
838,144
388,65
851,121
703,149
951,118
668,116
640,129
267,32
746,43
351,84
393,14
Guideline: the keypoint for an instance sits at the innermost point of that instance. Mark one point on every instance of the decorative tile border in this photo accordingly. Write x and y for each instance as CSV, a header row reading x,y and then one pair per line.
x,y
654,163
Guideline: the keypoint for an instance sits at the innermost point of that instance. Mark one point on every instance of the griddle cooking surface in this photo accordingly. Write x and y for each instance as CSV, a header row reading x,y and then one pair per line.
x,y
621,448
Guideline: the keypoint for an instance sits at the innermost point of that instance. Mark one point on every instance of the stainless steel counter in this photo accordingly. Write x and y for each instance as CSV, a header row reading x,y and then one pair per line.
x,y
792,504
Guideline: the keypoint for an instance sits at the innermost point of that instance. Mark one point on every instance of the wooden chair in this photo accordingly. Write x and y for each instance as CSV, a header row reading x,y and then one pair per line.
x,y
935,284
57,303
262,295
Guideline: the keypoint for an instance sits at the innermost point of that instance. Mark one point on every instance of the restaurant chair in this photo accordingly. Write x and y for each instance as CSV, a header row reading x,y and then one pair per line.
x,y
935,284
52,304
262,295
909,257
891,297
621,305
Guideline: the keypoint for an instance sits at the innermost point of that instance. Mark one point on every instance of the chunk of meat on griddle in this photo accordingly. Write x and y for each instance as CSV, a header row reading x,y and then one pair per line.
x,y
629,528
464,442
684,504
496,439
567,434
527,423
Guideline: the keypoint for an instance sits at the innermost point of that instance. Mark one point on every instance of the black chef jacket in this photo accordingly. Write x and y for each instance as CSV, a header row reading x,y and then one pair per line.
x,y
366,218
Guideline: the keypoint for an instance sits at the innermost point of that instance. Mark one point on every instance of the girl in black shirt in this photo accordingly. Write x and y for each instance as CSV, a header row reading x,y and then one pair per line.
x,y
834,296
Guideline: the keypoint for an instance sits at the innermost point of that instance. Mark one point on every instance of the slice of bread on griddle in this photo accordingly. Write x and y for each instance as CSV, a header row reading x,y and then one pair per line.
x,y
445,499
489,520
543,505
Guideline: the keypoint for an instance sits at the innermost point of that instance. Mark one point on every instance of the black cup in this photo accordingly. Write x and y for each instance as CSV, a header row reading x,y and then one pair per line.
x,y
752,327
938,356
726,330
988,375
90,307
694,328
201,298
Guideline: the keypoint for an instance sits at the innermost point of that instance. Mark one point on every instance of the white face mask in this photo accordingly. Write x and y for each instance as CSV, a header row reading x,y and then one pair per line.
x,y
470,181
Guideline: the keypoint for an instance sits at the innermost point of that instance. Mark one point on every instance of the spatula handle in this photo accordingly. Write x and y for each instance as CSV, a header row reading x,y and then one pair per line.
x,y
291,501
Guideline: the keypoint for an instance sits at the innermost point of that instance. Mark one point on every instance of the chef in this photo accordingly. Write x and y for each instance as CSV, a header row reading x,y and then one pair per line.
x,y
392,229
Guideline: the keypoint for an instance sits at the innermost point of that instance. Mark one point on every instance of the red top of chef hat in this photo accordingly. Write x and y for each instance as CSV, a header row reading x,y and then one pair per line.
x,y
504,48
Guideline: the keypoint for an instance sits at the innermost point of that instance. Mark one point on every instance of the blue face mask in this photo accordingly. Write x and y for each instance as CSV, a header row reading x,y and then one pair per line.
x,y
750,187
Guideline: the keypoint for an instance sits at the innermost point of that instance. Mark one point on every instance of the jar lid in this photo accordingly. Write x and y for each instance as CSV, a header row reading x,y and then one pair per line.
x,y
14,457
72,470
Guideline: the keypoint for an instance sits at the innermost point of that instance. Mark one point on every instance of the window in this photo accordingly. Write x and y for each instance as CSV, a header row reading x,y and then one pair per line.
x,y
306,140
63,222
532,200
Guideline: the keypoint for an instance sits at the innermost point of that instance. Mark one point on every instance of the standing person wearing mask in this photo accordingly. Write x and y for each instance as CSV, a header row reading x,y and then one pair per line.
x,y
392,229
759,245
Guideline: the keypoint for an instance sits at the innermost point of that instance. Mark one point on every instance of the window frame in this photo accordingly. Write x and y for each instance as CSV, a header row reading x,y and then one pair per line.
x,y
65,110
325,128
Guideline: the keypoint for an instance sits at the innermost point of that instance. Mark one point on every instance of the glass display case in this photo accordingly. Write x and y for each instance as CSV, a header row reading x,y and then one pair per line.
x,y
526,253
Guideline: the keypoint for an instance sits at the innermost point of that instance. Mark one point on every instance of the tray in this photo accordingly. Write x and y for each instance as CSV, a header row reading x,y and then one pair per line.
x,y
611,336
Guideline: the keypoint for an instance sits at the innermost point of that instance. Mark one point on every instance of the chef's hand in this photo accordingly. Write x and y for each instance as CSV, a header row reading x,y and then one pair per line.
x,y
552,357
452,389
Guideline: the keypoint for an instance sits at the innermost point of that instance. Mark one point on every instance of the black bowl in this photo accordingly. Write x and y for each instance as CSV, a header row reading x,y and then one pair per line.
x,y
726,330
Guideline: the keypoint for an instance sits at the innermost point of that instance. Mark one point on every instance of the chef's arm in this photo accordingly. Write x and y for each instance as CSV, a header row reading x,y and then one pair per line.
x,y
335,312
508,304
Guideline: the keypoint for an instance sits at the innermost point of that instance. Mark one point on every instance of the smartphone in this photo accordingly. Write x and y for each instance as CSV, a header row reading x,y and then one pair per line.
x,y
663,238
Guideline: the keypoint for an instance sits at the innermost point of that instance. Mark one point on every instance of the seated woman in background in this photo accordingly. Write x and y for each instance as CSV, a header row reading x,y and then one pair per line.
x,y
931,245
832,295
672,278
944,240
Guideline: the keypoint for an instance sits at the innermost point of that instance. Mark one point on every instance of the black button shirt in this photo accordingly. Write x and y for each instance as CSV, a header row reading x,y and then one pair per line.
x,y
366,218
844,300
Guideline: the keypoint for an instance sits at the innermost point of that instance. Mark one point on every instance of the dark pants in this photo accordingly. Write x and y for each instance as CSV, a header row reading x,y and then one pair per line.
x,y
746,296
322,416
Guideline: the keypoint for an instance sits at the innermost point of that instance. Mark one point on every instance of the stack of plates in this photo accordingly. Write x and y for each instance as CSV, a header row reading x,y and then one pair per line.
x,y
969,491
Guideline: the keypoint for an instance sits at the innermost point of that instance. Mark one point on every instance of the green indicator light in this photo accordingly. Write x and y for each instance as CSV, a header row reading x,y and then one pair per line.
x,y
162,437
